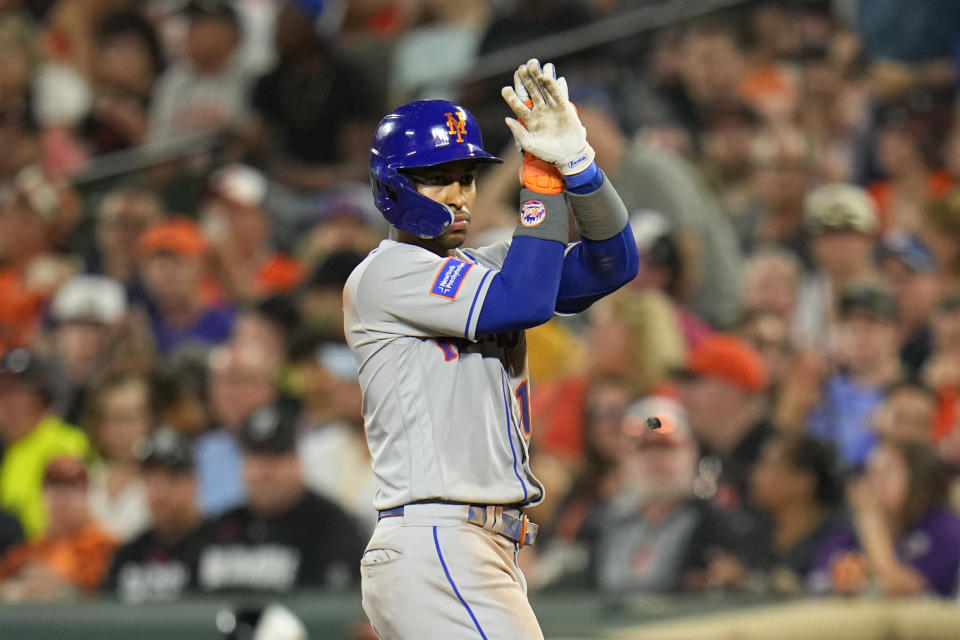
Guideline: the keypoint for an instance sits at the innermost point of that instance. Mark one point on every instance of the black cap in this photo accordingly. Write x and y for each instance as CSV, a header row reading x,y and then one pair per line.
x,y
25,368
271,429
869,299
166,447
334,271
222,9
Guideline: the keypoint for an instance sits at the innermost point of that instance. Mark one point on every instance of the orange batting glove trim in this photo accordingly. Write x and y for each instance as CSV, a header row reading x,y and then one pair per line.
x,y
540,176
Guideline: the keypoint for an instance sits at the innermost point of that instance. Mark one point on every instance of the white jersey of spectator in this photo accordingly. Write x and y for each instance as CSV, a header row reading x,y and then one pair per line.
x,y
186,101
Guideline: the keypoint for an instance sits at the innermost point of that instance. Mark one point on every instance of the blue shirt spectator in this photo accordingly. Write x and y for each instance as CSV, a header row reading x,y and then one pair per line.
x,y
219,472
843,417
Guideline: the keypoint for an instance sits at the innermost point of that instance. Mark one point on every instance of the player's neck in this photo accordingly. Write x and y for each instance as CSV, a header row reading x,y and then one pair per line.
x,y
433,245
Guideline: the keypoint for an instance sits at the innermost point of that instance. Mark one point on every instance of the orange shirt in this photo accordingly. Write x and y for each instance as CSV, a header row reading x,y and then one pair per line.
x,y
939,184
557,409
278,274
19,309
82,558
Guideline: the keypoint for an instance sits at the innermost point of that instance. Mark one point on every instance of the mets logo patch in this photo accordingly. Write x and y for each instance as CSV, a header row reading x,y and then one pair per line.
x,y
532,213
450,277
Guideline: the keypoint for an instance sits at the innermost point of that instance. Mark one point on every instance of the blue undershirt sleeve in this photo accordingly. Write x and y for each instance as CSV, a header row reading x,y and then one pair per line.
x,y
595,268
523,293
587,181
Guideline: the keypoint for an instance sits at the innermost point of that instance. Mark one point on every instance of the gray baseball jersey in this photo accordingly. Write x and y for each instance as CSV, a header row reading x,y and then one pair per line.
x,y
446,413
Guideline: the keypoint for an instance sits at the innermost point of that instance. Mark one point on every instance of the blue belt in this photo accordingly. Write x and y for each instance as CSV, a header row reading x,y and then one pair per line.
x,y
512,523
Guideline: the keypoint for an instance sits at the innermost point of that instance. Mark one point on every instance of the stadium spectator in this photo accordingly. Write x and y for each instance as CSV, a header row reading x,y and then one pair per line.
x,y
940,229
794,485
655,535
662,270
267,327
342,220
206,90
771,281
85,312
128,60
320,298
444,44
35,215
581,493
770,335
172,268
909,153
74,552
841,221
183,394
942,370
32,436
907,413
117,419
726,140
632,335
780,174
905,542
313,115
241,380
238,230
20,52
330,441
122,216
867,349
161,563
11,533
285,536
910,269
711,69
722,388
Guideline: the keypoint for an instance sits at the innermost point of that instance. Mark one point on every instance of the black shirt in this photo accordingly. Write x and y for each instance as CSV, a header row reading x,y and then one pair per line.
x,y
149,569
308,106
11,532
733,470
314,544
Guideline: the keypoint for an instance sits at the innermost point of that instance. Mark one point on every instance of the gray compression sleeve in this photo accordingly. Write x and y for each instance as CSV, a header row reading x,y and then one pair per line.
x,y
552,208
599,215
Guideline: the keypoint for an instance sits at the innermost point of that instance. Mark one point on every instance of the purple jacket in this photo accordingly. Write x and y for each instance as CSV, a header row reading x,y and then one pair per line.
x,y
931,546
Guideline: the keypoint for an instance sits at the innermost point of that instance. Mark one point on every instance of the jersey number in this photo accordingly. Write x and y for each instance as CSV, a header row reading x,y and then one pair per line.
x,y
449,353
523,397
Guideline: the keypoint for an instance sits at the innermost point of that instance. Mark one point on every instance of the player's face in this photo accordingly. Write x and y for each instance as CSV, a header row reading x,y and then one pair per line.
x,y
453,184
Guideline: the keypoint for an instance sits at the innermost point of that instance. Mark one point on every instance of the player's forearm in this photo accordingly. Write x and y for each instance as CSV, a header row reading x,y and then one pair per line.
x,y
523,293
593,269
598,211
607,256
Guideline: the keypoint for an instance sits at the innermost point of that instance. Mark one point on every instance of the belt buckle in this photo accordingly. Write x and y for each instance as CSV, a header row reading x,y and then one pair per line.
x,y
523,530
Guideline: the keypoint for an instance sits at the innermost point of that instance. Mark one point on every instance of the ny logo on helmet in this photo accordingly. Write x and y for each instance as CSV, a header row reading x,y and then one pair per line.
x,y
456,126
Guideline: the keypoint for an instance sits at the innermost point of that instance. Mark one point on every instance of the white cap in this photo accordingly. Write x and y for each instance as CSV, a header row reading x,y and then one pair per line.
x,y
648,225
239,183
63,96
88,298
279,623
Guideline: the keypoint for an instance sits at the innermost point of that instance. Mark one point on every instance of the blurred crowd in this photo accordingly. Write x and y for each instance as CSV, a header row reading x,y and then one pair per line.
x,y
183,195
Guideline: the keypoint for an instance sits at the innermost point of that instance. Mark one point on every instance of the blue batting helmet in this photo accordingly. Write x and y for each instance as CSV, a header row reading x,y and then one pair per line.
x,y
420,134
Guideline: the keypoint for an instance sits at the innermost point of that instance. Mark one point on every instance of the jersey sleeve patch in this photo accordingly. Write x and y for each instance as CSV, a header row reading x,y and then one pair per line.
x,y
449,278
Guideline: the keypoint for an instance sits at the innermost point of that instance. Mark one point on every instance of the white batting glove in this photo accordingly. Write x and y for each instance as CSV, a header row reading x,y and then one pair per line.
x,y
550,129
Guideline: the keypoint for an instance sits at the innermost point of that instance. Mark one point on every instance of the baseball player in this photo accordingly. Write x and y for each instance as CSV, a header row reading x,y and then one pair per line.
x,y
438,334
